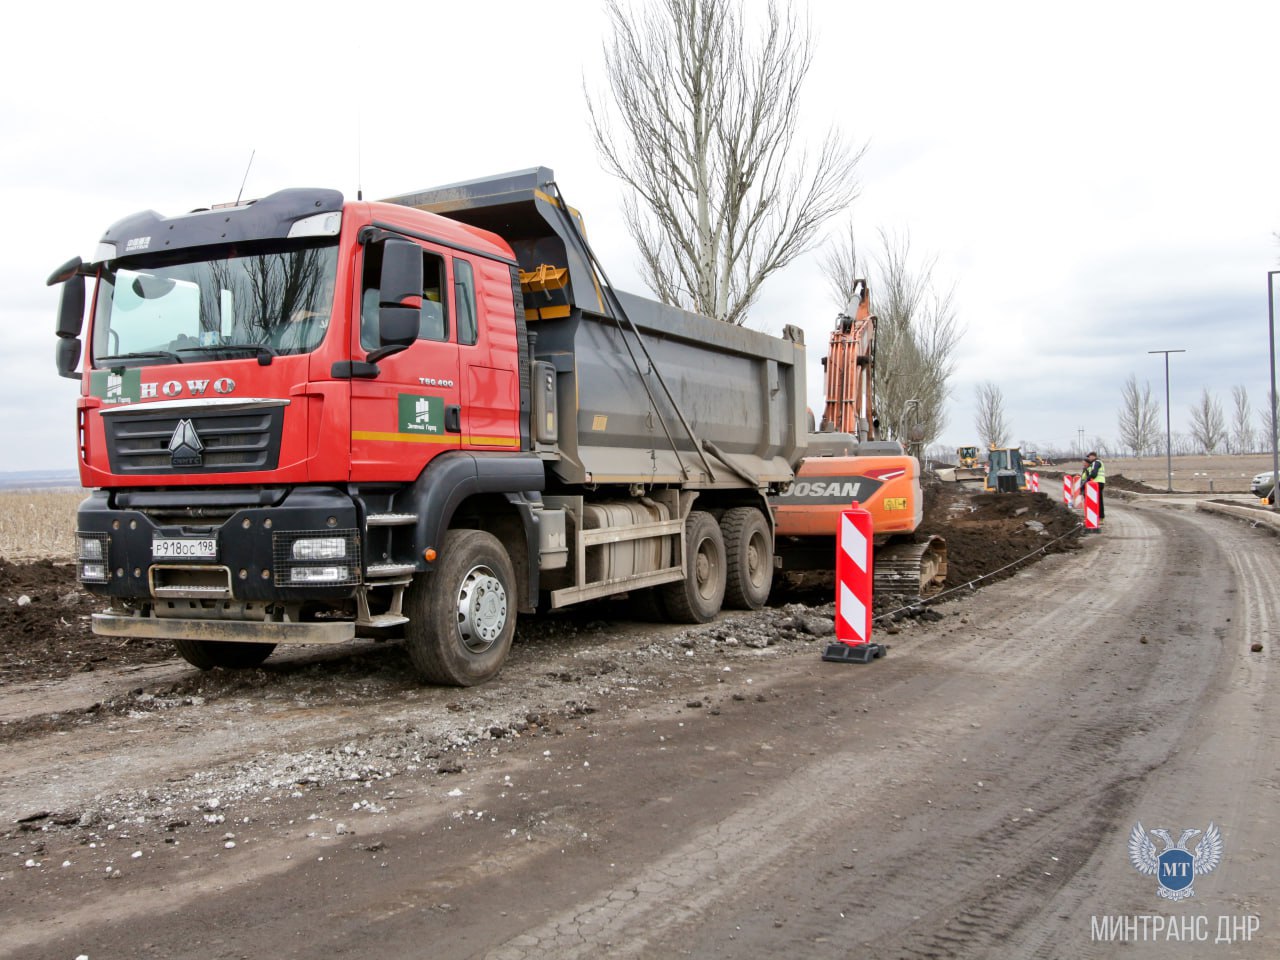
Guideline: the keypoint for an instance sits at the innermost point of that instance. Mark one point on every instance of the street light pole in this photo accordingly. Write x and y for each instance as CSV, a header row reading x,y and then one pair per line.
x,y
1271,345
1168,430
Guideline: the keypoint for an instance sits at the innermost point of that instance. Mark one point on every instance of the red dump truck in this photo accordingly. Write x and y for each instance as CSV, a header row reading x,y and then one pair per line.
x,y
305,419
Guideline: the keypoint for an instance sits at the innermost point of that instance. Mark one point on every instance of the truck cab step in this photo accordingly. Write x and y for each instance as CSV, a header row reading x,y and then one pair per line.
x,y
382,620
382,570
391,519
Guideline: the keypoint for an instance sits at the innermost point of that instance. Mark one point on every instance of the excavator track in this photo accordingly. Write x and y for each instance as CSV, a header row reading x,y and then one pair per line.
x,y
911,569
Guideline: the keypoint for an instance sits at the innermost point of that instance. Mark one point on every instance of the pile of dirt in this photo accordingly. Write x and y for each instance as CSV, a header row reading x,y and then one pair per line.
x,y
1120,482
988,532
44,626
1115,481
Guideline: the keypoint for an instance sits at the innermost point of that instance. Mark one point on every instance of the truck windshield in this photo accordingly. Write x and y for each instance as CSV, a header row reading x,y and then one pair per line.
x,y
278,302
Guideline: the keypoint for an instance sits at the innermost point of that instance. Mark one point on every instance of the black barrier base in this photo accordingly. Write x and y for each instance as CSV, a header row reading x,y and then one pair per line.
x,y
848,653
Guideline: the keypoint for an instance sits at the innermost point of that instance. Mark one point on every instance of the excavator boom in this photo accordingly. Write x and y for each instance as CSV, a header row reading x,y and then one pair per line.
x,y
850,369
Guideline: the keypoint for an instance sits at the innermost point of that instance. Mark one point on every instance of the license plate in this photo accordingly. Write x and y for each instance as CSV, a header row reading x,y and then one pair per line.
x,y
204,548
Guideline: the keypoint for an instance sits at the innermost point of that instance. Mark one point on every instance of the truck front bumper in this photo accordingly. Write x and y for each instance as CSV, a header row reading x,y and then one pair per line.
x,y
113,624
173,548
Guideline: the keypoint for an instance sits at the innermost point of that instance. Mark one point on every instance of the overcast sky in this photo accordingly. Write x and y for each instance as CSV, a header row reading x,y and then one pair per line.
x,y
1096,180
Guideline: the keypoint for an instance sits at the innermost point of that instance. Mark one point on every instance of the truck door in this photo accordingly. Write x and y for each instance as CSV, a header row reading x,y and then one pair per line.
x,y
412,411
488,358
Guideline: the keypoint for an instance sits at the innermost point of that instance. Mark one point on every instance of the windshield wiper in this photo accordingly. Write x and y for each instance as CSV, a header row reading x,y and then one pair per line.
x,y
264,351
141,355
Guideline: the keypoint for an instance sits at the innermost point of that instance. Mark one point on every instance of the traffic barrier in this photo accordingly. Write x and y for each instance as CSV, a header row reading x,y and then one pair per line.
x,y
1091,519
1033,482
854,563
1068,489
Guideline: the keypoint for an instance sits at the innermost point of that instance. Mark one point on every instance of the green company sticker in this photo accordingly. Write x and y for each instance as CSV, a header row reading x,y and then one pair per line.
x,y
122,387
421,414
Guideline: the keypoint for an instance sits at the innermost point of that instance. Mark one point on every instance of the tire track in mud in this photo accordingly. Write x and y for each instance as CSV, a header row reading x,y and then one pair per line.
x,y
1062,765
1220,767
913,808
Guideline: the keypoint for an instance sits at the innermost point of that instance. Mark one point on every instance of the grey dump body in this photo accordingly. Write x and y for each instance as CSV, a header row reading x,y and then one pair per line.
x,y
645,393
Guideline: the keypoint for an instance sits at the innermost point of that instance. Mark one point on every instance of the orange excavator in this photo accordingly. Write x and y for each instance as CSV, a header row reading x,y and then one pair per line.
x,y
846,462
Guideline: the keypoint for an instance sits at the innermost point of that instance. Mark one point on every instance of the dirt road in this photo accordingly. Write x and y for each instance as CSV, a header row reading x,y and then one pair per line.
x,y
633,790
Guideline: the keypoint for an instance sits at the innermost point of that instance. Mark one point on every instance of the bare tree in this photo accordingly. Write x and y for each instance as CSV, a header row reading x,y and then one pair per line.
x,y
1268,433
721,194
840,264
1241,425
1208,425
990,420
1139,417
916,333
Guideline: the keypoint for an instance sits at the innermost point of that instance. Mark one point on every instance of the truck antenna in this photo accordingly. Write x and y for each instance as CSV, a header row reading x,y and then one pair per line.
x,y
246,177
359,152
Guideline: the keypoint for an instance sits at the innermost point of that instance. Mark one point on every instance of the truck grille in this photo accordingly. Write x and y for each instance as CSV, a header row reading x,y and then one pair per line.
x,y
195,441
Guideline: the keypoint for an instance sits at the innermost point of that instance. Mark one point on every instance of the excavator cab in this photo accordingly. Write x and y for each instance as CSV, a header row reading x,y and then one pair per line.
x,y
1005,470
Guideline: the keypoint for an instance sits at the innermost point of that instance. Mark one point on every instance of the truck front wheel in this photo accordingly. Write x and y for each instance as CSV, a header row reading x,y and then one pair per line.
x,y
748,546
698,597
207,654
462,615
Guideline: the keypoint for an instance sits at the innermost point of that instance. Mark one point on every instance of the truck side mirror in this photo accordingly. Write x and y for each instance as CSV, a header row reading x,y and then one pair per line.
x,y
67,356
70,323
71,307
401,279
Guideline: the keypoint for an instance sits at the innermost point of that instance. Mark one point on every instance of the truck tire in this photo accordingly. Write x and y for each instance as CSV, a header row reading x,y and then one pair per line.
x,y
462,615
748,547
698,597
207,654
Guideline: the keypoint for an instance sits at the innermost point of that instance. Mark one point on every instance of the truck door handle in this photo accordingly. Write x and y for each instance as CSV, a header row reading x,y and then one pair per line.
x,y
453,418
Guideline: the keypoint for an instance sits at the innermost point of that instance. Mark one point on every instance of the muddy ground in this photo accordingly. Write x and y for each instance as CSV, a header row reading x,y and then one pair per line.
x,y
45,617
642,790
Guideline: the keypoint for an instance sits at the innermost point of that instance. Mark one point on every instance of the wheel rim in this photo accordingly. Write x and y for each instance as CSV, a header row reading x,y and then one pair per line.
x,y
708,569
482,609
756,551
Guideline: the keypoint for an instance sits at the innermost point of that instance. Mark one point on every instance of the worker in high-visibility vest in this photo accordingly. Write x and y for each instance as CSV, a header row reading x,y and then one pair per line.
x,y
1095,471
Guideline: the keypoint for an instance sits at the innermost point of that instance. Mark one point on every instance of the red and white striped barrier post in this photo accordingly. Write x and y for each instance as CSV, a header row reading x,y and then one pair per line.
x,y
1033,481
1068,488
1091,520
854,546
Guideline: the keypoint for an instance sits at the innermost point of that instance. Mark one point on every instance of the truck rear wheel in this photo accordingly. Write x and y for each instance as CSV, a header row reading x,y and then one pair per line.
x,y
748,548
207,654
698,597
462,615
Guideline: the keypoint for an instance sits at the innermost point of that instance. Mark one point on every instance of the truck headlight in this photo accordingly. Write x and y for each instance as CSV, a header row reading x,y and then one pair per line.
x,y
316,557
93,572
320,548
90,548
318,574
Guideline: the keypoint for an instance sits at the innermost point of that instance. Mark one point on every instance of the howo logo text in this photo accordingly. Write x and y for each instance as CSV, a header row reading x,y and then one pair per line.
x,y
194,388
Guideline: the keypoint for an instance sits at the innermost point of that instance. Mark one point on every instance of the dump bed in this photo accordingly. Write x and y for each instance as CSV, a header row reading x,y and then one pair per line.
x,y
646,393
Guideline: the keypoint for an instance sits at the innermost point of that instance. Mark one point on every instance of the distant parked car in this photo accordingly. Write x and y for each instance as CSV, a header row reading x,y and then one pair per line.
x,y
1262,485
